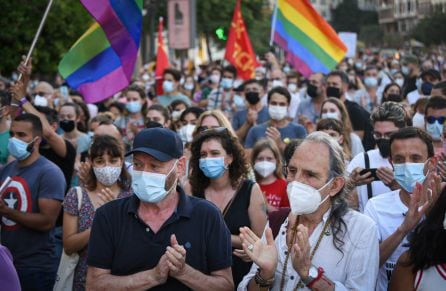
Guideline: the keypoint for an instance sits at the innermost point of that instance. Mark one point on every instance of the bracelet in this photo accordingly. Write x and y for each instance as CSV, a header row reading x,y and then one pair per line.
x,y
320,273
263,282
23,101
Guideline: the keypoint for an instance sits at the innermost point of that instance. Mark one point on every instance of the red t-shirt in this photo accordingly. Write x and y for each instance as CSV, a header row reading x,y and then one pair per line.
x,y
275,193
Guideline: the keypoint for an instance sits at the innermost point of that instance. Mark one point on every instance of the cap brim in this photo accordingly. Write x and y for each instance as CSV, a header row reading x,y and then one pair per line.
x,y
162,157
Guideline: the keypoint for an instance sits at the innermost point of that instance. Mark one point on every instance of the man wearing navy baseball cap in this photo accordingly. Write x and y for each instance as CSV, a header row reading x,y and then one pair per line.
x,y
160,237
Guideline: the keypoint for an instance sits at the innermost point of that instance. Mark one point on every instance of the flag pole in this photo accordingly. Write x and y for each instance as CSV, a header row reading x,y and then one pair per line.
x,y
36,36
273,24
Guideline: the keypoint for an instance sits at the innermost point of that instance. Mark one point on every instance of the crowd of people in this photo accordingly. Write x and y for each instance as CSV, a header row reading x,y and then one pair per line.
x,y
280,182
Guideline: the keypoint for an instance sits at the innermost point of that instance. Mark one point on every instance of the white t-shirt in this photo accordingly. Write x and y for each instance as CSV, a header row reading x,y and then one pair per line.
x,y
356,146
388,211
378,187
294,104
413,96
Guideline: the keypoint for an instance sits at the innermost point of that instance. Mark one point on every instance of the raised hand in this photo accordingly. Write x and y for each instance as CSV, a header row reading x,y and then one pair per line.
x,y
106,195
416,211
386,176
264,255
176,257
242,255
300,253
161,270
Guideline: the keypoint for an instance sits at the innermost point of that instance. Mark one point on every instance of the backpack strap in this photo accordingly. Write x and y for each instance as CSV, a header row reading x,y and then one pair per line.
x,y
367,166
79,197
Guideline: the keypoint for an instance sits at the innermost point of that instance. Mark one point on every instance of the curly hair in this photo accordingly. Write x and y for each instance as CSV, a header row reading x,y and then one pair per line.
x,y
106,144
238,169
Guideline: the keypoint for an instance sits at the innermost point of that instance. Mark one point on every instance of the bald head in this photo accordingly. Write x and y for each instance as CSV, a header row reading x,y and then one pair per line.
x,y
45,88
108,129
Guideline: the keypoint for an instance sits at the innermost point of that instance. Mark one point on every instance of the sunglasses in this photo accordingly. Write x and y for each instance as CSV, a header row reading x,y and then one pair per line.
x,y
204,129
431,119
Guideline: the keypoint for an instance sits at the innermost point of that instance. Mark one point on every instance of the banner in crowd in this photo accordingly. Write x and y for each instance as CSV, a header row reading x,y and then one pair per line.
x,y
102,61
162,60
239,51
310,43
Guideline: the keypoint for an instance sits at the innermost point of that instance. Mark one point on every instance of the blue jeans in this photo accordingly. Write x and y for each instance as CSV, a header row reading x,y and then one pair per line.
x,y
36,280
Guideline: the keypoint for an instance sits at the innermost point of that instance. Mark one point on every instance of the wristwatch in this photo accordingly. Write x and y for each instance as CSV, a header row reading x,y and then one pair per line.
x,y
314,274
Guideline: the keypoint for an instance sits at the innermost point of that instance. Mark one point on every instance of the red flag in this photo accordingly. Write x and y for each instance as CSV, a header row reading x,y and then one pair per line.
x,y
162,61
239,50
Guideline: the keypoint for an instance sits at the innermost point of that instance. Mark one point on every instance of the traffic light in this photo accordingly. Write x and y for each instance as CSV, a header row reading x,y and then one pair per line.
x,y
221,33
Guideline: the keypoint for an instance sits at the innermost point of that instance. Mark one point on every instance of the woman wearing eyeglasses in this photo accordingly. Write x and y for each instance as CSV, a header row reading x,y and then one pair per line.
x,y
212,119
219,172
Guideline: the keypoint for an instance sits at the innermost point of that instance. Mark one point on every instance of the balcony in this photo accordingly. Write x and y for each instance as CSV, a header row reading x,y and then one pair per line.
x,y
385,15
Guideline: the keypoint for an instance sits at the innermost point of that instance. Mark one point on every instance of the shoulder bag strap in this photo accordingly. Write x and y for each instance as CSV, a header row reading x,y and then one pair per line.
x,y
367,166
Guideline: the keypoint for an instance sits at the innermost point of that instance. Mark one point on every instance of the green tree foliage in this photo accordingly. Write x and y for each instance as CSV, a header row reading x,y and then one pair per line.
x,y
348,17
431,30
19,21
256,14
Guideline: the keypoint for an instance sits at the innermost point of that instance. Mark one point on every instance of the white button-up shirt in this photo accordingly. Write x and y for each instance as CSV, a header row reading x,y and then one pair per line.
x,y
355,269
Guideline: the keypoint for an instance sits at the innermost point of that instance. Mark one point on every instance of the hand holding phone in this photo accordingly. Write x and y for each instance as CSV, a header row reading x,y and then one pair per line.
x,y
372,175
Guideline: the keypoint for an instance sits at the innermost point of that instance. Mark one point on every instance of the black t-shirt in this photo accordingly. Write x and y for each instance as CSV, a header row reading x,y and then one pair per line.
x,y
122,243
360,120
66,164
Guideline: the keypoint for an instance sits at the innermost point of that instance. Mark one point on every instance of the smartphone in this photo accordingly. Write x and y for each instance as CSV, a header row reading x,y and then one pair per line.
x,y
373,171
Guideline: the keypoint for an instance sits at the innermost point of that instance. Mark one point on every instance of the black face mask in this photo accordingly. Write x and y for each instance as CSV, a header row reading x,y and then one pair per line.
x,y
384,147
333,92
394,98
153,124
252,97
67,125
312,91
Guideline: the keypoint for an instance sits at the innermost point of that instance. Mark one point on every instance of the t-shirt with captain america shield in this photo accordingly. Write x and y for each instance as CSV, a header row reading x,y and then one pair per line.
x,y
31,249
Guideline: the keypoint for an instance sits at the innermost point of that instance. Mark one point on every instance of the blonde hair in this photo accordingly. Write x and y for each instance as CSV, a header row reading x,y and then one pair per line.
x,y
221,118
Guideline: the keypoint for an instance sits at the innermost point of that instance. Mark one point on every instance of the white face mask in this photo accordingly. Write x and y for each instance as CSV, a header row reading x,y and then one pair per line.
x,y
186,132
176,114
277,83
265,168
332,115
292,87
215,79
303,198
40,101
277,112
107,176
418,120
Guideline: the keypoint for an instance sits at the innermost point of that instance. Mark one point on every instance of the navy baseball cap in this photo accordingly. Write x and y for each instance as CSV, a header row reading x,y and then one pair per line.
x,y
161,143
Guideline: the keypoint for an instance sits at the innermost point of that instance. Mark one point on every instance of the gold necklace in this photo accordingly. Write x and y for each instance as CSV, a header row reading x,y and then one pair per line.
x,y
300,284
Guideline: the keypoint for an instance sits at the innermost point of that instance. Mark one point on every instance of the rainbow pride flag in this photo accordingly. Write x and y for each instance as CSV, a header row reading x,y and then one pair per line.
x,y
102,60
310,43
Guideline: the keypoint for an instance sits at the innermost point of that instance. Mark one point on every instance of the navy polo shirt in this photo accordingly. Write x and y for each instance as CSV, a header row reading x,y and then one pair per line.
x,y
125,245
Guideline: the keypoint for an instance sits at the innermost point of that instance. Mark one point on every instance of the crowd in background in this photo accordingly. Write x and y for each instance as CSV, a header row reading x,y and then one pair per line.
x,y
238,137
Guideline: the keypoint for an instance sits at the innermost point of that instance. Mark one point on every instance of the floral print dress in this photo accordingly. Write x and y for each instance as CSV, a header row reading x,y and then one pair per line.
x,y
85,220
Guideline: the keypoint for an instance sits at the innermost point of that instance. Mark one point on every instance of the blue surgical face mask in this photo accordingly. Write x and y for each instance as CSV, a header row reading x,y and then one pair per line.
x,y
408,174
371,82
435,130
18,148
134,106
151,187
167,86
227,83
213,168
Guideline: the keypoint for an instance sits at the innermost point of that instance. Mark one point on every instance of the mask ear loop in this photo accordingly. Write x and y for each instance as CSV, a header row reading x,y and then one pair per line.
x,y
319,190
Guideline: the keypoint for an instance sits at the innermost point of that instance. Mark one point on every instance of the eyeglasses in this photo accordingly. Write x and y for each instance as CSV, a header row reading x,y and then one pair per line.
x,y
41,93
377,135
205,128
431,119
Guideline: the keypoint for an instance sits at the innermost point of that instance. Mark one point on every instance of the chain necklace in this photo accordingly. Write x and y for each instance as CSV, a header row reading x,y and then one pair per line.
x,y
300,284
